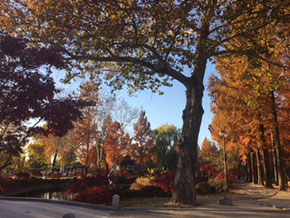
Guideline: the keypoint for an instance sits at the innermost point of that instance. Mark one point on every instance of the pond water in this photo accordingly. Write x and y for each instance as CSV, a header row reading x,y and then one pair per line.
x,y
53,195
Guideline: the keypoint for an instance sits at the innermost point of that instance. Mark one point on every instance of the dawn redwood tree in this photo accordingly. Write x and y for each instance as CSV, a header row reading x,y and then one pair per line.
x,y
28,95
249,84
230,108
116,144
53,146
146,44
209,152
142,145
85,130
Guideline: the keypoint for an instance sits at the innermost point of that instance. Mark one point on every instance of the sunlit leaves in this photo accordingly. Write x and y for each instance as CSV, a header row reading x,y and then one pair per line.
x,y
116,144
142,146
28,94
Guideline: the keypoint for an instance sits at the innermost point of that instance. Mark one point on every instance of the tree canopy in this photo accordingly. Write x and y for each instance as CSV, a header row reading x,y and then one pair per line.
x,y
145,44
27,95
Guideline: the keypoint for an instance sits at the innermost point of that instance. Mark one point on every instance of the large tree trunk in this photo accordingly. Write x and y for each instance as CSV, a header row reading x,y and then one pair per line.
x,y
184,192
249,169
254,169
246,171
278,147
275,169
54,159
266,161
184,189
259,167
267,168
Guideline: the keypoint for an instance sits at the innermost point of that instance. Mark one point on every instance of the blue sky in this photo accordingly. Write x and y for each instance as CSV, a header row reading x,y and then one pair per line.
x,y
161,109
167,108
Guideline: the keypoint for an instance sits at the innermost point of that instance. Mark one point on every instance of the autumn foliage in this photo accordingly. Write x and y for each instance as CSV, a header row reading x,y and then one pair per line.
x,y
250,102
142,146
116,144
92,190
166,182
28,93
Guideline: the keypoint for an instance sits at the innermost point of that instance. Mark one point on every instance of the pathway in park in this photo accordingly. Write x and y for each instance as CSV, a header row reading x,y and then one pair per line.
x,y
29,209
248,201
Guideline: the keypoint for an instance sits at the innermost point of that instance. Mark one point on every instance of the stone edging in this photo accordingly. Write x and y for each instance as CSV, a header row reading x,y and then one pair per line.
x,y
71,203
264,197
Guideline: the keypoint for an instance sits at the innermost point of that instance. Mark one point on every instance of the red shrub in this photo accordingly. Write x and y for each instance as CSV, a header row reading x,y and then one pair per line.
x,y
4,183
92,190
126,173
87,182
236,174
166,182
56,175
96,195
221,176
20,176
210,170
231,176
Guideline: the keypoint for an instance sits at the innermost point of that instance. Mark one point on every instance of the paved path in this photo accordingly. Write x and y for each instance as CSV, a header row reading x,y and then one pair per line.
x,y
27,209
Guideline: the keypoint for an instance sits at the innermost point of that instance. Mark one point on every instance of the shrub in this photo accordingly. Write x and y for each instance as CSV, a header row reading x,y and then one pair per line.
x,y
96,194
20,176
125,173
210,170
153,191
166,182
124,180
136,187
87,182
217,183
147,191
235,174
92,190
56,175
145,181
203,188
4,183
142,182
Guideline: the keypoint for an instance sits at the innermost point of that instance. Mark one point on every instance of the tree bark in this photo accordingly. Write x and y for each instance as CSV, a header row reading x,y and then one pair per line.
x,y
225,165
54,159
254,169
266,161
184,192
259,167
249,169
278,147
246,171
267,168
185,179
275,165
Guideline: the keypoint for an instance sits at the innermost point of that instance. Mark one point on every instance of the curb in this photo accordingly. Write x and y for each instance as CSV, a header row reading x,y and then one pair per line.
x,y
71,203
264,197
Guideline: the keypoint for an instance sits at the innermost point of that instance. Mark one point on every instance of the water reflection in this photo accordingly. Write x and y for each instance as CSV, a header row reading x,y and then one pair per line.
x,y
58,195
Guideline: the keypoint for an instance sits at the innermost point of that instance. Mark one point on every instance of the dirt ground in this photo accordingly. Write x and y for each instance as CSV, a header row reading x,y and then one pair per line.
x,y
248,201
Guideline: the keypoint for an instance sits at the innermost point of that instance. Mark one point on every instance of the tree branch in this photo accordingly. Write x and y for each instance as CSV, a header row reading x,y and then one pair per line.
x,y
162,69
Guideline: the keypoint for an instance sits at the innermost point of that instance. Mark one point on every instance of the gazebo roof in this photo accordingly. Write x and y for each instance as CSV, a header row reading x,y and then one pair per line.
x,y
77,165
